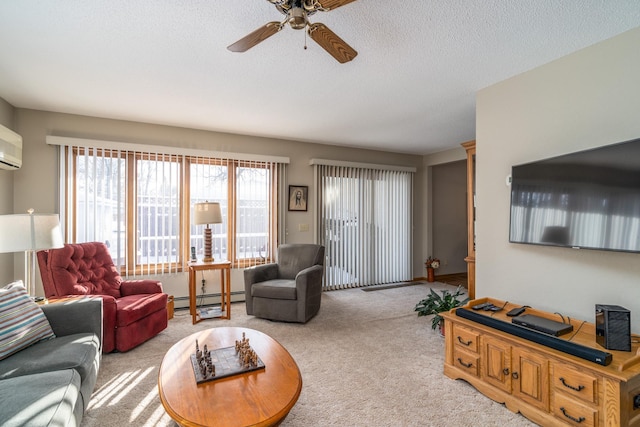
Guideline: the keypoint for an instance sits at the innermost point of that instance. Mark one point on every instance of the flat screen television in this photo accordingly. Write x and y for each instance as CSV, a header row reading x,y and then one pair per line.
x,y
585,200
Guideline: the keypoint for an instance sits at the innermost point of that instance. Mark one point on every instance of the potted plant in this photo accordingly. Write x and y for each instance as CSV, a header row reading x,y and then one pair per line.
x,y
431,264
436,304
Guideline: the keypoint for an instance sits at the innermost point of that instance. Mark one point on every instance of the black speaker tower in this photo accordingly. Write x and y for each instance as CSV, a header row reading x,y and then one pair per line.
x,y
613,327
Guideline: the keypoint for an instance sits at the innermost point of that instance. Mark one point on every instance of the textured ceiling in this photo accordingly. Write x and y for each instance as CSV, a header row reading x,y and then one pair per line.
x,y
411,88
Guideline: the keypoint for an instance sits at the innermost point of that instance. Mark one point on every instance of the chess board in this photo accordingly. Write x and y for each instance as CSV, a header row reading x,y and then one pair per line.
x,y
227,364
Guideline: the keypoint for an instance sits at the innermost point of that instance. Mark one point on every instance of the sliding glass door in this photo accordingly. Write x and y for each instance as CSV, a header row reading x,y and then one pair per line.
x,y
364,222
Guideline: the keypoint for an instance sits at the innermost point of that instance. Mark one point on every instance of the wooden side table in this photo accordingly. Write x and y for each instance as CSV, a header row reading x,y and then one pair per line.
x,y
225,287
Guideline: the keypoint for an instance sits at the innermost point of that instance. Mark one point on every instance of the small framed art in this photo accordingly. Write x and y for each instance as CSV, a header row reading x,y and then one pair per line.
x,y
298,197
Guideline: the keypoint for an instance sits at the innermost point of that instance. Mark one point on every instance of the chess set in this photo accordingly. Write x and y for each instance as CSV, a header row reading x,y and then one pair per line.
x,y
209,365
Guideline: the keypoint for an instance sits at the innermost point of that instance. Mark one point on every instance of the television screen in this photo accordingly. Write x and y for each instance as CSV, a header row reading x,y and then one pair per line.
x,y
589,199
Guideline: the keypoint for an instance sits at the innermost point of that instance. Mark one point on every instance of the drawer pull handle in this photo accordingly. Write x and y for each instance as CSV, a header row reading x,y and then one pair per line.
x,y
574,419
505,371
466,365
579,388
467,343
515,375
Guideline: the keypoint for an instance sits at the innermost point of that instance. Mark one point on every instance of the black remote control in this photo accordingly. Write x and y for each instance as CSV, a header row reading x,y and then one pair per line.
x,y
516,311
482,306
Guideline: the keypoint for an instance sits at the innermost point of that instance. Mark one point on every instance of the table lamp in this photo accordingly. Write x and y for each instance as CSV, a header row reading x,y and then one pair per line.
x,y
207,213
30,233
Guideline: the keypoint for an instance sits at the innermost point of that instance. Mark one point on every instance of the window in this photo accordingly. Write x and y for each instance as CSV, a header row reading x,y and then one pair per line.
x,y
253,191
140,205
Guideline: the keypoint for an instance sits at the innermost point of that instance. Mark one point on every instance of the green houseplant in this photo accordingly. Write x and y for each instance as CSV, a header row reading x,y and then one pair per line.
x,y
436,304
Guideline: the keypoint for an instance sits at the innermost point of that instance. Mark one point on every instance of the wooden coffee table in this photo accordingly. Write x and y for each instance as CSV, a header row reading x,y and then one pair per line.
x,y
258,398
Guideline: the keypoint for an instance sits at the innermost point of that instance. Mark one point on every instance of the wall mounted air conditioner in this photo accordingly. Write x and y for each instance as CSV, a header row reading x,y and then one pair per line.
x,y
10,149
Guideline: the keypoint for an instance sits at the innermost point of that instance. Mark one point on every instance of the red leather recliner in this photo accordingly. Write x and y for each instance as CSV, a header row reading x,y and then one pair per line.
x,y
133,310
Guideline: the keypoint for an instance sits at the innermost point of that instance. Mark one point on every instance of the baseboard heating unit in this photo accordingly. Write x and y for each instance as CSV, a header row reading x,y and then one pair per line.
x,y
588,353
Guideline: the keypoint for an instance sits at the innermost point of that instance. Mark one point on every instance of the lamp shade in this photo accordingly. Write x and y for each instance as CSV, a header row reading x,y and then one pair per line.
x,y
29,232
207,213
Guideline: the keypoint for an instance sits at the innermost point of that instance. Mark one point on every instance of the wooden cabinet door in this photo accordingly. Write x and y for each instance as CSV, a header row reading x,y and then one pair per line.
x,y
496,363
530,377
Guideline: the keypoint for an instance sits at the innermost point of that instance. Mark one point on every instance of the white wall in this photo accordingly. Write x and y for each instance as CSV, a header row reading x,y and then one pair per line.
x,y
587,99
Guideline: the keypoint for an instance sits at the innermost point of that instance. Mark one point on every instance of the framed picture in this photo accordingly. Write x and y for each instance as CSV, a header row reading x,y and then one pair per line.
x,y
298,197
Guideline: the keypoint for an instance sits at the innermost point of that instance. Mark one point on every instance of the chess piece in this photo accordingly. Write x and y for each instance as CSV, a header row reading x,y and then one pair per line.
x,y
198,352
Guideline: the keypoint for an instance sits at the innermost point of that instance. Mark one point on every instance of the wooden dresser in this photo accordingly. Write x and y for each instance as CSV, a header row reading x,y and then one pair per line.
x,y
548,386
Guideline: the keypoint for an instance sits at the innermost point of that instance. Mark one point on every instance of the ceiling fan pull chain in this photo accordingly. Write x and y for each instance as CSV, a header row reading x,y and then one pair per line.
x,y
305,40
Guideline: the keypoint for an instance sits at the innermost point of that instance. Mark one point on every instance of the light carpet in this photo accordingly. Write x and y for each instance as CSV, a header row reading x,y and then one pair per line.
x,y
366,359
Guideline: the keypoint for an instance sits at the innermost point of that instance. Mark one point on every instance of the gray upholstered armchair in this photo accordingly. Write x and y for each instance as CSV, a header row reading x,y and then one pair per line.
x,y
289,290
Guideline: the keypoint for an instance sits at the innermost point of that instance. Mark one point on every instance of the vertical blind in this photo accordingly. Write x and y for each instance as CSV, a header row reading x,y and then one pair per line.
x,y
246,191
139,203
364,221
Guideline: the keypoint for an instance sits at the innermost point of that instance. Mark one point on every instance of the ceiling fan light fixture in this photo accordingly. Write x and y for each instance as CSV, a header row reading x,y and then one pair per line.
x,y
297,18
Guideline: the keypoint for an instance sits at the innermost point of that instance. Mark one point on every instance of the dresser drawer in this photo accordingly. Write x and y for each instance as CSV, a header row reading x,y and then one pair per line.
x,y
466,338
469,362
573,412
579,384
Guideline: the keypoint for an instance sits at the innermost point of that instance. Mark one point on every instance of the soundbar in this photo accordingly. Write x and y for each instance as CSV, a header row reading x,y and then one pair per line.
x,y
588,353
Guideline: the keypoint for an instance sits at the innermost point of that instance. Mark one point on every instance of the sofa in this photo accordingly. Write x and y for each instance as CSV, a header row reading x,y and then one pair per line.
x,y
47,382
134,310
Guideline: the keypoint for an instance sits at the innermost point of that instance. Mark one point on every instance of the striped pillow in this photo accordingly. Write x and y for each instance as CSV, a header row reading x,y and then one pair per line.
x,y
22,321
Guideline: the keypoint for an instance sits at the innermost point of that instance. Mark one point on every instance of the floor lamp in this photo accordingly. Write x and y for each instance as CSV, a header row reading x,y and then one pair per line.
x,y
207,213
30,233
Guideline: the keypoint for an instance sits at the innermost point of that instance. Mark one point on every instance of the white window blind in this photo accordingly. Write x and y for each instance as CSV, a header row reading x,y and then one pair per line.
x,y
364,221
139,203
246,191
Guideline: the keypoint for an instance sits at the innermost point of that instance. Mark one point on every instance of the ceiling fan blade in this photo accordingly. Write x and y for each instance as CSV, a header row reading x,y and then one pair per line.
x,y
332,4
330,42
259,35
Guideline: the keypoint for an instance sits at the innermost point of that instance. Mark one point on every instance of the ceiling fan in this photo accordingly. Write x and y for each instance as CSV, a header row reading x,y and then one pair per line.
x,y
296,14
